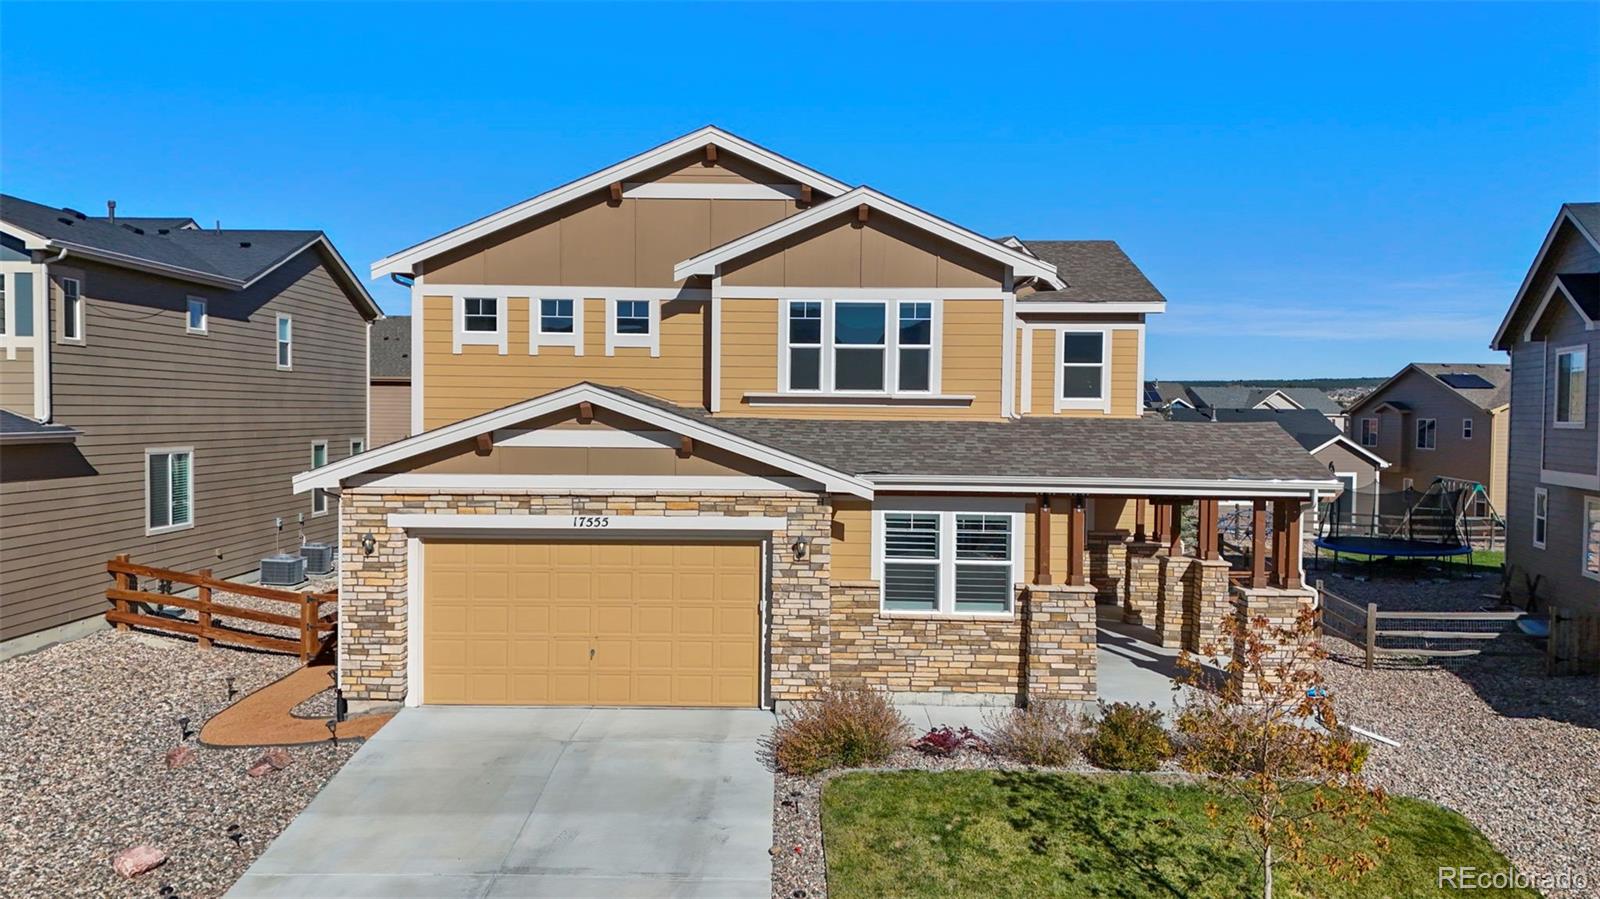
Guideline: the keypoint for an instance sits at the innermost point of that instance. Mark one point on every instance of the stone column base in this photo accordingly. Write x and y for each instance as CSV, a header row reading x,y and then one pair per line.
x,y
1061,642
1108,564
1141,588
1172,600
1209,606
1280,608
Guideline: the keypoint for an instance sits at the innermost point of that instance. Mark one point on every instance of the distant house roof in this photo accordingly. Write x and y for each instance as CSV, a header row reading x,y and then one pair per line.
x,y
391,348
1494,392
153,223
1310,428
1095,271
1162,393
232,258
16,428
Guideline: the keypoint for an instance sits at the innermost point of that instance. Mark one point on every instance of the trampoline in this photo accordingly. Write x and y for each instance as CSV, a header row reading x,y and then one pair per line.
x,y
1433,524
1391,547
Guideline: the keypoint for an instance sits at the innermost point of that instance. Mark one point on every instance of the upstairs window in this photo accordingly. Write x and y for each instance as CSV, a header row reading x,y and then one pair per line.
x,y
1466,429
1572,370
633,323
480,315
71,309
1541,516
1081,376
285,342
4,294
881,347
1427,433
805,345
1369,432
914,366
859,334
196,322
556,321
555,316
169,490
633,317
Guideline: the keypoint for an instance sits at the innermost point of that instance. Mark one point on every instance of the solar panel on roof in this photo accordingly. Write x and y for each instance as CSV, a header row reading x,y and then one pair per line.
x,y
1466,382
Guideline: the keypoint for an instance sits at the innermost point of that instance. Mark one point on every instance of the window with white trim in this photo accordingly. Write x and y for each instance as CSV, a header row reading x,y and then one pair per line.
x,y
1466,429
169,489
555,317
1572,375
319,458
357,446
1427,433
953,562
805,345
285,336
480,315
860,339
1541,516
633,323
914,359
5,292
633,317
195,319
1369,432
71,309
1083,367
1590,551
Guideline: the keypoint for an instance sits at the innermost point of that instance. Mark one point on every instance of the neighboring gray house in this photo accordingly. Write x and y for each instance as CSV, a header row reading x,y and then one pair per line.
x,y
1552,331
1163,395
161,383
391,379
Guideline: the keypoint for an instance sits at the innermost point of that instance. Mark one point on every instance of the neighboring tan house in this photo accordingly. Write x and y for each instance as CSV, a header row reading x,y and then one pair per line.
x,y
1357,469
710,428
162,383
1165,395
1439,419
391,379
1552,331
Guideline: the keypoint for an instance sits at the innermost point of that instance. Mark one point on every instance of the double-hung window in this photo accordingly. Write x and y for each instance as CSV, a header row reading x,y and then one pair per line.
x,y
1369,432
633,323
1466,429
71,309
873,347
633,317
1081,377
319,458
480,315
948,561
169,490
805,345
914,360
860,338
1572,370
1589,552
1541,516
195,321
357,446
556,321
1427,433
555,317
285,342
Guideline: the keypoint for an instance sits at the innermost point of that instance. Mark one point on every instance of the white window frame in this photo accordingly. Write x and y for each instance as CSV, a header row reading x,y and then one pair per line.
x,y
890,347
205,320
947,509
1369,429
821,346
1591,507
1466,428
461,337
538,337
1541,517
1103,401
319,497
651,341
168,451
278,343
77,316
1578,417
1433,429
357,446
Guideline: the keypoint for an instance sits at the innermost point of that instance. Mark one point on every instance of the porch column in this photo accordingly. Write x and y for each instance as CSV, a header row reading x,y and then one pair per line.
x,y
1061,643
1291,545
1077,542
1258,544
1141,584
1041,543
1138,519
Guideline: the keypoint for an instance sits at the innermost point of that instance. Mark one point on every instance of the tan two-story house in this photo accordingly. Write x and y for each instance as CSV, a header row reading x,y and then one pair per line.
x,y
708,427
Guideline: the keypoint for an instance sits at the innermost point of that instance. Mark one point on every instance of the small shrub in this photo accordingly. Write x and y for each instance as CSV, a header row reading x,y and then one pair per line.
x,y
1128,737
845,727
942,741
1046,732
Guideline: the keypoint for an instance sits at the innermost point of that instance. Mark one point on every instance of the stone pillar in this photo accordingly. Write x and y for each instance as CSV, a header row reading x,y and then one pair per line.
x,y
372,604
1173,598
1279,607
1141,588
1061,642
1108,564
1210,605
801,603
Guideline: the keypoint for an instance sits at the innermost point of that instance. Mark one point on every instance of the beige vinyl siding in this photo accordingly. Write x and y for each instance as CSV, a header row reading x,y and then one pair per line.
x,y
749,350
391,413
844,253
16,381
1122,373
141,382
851,551
1499,457
478,379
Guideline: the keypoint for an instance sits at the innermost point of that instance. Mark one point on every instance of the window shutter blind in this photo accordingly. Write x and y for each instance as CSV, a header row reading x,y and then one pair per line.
x,y
160,492
180,488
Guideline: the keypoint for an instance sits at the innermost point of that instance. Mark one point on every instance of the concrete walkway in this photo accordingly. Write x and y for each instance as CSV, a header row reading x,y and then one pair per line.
x,y
537,802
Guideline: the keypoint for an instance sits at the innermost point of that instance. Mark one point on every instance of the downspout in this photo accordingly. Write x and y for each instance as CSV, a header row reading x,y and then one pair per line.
x,y
43,398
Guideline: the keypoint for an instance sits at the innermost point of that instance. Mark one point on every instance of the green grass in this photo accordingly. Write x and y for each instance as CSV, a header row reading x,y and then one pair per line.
x,y
1482,561
986,833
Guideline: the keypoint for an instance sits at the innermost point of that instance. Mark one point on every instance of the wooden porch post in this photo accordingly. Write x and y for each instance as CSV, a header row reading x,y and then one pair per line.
x,y
1041,543
1258,544
1291,545
1077,541
1175,528
1139,506
1206,533
1163,518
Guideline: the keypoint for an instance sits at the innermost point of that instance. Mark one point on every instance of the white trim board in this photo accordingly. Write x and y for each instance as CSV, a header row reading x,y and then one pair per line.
x,y
405,261
1589,324
701,190
711,261
567,483
586,524
1024,307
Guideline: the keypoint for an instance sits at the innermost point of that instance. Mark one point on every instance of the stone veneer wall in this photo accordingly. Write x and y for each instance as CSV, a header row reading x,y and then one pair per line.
x,y
1279,607
1141,590
1062,643
1173,600
1108,564
373,593
919,652
1211,605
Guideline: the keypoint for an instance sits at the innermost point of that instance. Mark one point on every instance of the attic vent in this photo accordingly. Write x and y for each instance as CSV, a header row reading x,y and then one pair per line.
x,y
163,230
73,212
132,228
245,244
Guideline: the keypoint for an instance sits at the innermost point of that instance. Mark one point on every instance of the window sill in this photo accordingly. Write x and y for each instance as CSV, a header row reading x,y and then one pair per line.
x,y
169,529
946,616
858,399
1568,425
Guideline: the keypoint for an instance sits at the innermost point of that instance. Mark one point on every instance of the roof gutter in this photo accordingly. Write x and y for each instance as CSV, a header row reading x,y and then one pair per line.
x,y
1219,488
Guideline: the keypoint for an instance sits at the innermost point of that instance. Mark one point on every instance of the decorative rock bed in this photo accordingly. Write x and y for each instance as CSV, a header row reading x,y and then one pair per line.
x,y
87,726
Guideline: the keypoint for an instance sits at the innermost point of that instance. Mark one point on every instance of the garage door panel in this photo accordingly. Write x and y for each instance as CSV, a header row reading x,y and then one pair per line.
x,y
610,623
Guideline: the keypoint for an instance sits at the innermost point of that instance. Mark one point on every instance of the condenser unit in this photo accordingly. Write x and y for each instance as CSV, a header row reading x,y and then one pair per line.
x,y
319,557
283,570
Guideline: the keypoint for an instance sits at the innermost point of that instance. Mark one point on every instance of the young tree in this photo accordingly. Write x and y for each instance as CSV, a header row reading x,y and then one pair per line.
x,y
1267,735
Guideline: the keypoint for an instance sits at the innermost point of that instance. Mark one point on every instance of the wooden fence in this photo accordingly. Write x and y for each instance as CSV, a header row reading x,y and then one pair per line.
x,y
307,621
1407,633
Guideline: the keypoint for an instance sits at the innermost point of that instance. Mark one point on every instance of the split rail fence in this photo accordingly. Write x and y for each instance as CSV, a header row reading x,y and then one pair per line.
x,y
306,622
1411,633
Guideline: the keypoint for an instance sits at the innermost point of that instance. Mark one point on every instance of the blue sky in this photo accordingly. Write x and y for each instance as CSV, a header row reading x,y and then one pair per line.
x,y
1320,190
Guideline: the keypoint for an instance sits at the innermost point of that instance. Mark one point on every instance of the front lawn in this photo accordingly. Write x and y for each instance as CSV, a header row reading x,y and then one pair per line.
x,y
995,833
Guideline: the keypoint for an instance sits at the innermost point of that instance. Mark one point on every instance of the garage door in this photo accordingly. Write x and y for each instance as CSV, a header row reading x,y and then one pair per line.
x,y
611,623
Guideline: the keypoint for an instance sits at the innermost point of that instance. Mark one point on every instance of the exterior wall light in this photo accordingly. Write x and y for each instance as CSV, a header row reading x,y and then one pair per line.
x,y
801,547
369,544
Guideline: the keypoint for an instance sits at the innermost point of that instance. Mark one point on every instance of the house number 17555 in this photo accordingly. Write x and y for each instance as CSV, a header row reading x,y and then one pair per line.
x,y
591,521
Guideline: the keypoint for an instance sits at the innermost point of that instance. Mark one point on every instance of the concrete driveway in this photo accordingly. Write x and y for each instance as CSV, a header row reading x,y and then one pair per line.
x,y
537,802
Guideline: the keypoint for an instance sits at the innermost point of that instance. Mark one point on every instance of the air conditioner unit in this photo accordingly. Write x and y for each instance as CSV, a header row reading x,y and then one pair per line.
x,y
283,570
319,557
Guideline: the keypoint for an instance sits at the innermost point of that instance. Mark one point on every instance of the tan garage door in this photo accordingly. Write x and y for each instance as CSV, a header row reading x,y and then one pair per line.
x,y
555,623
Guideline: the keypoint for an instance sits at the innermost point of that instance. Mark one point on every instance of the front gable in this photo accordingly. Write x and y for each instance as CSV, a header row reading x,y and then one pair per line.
x,y
1569,247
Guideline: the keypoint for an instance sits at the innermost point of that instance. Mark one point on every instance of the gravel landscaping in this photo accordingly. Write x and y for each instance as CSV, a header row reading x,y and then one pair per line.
x,y
87,725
